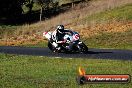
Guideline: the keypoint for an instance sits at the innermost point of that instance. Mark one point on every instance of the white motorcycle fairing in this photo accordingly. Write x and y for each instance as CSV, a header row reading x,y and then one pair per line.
x,y
79,46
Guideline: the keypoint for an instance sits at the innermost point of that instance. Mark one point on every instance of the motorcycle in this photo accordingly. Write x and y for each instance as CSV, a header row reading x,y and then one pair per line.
x,y
74,40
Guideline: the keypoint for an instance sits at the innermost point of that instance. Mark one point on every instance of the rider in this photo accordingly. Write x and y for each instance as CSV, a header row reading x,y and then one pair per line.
x,y
58,34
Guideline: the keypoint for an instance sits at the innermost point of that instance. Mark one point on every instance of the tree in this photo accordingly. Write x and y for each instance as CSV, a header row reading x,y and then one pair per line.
x,y
11,8
46,5
29,5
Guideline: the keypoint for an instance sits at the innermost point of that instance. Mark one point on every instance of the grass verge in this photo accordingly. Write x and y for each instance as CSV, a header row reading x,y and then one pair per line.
x,y
111,40
114,40
95,27
119,13
45,72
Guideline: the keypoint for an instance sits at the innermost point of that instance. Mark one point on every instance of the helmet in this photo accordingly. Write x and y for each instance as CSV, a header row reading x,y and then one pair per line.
x,y
60,29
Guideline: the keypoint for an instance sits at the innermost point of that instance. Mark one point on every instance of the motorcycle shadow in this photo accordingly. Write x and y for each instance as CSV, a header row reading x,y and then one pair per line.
x,y
97,52
88,52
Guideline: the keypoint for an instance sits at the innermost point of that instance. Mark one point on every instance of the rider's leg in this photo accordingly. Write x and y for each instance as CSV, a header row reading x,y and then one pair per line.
x,y
56,45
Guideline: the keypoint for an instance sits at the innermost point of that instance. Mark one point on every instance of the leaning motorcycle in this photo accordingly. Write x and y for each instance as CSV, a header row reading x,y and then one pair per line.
x,y
74,40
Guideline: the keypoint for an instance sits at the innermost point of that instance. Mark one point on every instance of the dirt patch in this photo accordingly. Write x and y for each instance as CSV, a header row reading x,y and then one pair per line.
x,y
22,40
96,29
85,31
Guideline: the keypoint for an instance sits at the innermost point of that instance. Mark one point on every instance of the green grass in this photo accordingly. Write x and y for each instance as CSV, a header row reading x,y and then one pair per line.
x,y
111,40
45,72
104,40
119,13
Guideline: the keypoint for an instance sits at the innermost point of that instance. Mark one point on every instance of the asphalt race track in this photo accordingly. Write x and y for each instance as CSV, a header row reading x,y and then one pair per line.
x,y
92,53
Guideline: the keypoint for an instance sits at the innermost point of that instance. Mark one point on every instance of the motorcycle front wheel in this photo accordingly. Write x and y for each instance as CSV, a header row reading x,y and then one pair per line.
x,y
82,48
52,48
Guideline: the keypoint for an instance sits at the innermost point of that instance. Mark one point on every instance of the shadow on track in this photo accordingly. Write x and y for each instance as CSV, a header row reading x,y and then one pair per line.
x,y
92,53
88,52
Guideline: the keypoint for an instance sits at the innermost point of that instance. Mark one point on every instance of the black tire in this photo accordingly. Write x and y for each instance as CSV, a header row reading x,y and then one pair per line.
x,y
50,46
83,48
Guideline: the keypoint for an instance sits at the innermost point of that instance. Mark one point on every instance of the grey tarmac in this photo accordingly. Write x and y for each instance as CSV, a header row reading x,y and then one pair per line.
x,y
114,54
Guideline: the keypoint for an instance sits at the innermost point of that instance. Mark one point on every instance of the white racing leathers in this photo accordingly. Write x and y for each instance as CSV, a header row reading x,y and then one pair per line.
x,y
58,38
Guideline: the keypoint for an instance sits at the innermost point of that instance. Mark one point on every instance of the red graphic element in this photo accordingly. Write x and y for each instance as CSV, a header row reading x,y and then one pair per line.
x,y
44,33
76,37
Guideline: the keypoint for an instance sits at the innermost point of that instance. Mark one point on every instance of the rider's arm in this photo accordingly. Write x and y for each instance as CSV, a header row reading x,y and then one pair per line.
x,y
68,31
59,41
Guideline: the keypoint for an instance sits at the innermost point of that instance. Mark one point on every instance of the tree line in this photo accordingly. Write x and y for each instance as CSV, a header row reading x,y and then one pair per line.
x,y
11,9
